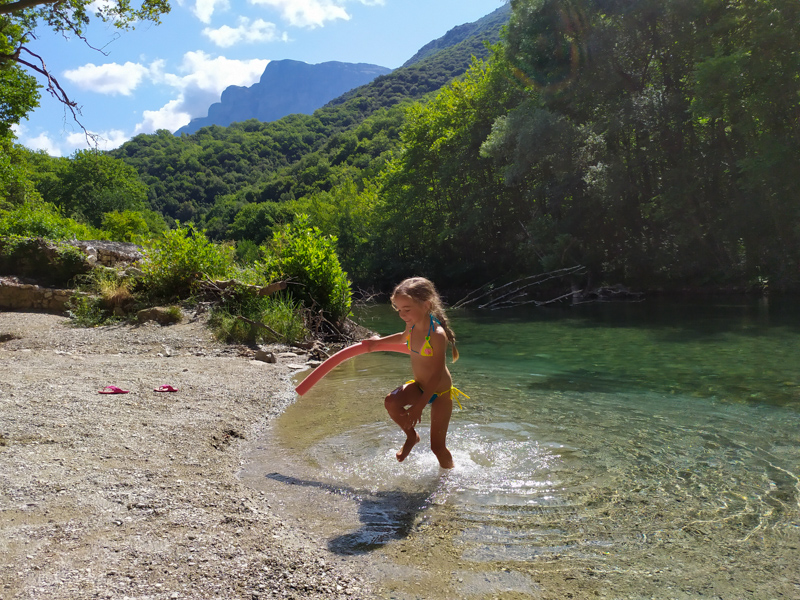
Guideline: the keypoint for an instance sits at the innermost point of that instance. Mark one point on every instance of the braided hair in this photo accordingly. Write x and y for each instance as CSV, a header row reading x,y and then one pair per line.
x,y
423,290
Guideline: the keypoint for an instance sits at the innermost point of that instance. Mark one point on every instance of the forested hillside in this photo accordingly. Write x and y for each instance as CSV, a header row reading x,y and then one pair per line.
x,y
654,143
209,176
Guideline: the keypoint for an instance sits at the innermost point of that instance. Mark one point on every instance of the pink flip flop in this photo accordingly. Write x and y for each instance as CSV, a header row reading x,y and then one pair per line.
x,y
112,389
165,388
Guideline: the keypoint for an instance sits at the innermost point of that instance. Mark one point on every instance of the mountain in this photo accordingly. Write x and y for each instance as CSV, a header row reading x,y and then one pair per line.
x,y
433,66
286,87
485,29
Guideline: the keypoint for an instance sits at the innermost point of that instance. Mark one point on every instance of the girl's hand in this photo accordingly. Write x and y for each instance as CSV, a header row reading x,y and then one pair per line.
x,y
415,414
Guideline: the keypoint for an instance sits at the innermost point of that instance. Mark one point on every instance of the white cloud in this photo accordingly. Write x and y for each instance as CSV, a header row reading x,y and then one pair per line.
x,y
111,78
204,9
200,82
41,142
170,116
247,31
197,83
307,13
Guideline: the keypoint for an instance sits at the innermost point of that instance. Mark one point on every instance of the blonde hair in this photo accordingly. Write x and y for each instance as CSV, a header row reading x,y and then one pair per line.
x,y
423,290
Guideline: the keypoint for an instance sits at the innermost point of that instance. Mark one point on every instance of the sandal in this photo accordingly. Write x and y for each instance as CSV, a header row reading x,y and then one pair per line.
x,y
112,389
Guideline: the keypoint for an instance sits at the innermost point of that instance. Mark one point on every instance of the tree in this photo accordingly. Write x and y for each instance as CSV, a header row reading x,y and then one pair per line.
x,y
93,184
18,96
19,19
446,212
133,226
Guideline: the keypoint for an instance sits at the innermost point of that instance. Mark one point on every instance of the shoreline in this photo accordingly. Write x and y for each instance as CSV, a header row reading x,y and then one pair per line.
x,y
137,495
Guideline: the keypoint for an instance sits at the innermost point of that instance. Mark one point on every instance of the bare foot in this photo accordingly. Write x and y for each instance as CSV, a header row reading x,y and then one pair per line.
x,y
445,459
411,441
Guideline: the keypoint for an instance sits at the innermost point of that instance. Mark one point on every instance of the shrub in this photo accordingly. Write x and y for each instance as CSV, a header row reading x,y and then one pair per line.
x,y
103,298
281,315
178,259
40,219
86,311
247,252
301,253
125,226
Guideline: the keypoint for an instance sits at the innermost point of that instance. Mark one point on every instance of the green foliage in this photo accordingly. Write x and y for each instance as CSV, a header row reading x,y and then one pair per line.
x,y
247,252
16,186
179,258
133,226
652,142
93,184
41,219
256,222
86,311
281,315
445,211
303,255
18,93
348,215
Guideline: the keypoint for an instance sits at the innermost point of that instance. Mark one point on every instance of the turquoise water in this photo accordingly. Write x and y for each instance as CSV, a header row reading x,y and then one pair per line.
x,y
647,450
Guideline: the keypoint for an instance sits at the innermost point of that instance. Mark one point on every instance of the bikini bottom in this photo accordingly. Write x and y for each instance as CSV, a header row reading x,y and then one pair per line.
x,y
454,393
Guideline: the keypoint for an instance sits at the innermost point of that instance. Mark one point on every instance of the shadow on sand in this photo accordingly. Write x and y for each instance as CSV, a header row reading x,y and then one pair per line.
x,y
384,516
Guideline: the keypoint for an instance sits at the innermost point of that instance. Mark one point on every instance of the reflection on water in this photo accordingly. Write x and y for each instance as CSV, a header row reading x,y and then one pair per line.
x,y
618,451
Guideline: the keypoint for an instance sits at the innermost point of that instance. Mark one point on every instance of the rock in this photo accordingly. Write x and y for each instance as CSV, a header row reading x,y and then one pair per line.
x,y
159,314
134,272
91,254
265,356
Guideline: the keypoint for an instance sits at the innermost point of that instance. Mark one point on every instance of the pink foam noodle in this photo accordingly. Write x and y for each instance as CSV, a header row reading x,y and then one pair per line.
x,y
345,354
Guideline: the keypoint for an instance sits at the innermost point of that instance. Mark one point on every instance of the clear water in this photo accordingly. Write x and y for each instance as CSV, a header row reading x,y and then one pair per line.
x,y
645,450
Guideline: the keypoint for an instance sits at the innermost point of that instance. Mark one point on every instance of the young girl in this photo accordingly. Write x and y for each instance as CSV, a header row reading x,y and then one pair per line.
x,y
426,335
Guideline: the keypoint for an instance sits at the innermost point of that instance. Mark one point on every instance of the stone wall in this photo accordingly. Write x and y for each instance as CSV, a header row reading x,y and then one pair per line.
x,y
25,294
15,295
109,254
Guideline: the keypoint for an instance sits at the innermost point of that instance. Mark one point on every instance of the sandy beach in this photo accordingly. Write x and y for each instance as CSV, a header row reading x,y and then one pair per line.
x,y
136,495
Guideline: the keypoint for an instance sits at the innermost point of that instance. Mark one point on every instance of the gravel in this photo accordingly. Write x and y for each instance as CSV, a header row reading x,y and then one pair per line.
x,y
136,495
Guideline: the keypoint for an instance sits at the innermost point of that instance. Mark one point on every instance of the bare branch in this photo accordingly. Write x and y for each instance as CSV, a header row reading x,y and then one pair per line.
x,y
55,90
221,286
498,296
261,325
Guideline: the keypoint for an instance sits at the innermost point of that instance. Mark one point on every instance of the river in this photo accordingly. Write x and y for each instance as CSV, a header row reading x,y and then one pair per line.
x,y
617,450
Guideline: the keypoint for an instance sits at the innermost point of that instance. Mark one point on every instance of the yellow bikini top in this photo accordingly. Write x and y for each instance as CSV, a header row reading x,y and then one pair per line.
x,y
426,349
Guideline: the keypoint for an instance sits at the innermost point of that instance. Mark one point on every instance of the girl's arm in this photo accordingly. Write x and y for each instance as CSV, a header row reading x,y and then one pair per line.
x,y
395,338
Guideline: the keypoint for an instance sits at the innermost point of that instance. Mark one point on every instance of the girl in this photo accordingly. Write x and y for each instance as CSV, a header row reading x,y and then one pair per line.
x,y
426,335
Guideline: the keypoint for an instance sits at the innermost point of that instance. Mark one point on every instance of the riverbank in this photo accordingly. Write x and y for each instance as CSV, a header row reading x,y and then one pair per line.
x,y
136,495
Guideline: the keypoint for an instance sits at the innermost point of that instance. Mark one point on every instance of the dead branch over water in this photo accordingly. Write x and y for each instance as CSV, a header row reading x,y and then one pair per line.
x,y
515,293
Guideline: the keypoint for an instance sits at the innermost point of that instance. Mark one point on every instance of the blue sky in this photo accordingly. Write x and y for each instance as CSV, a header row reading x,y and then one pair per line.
x,y
159,77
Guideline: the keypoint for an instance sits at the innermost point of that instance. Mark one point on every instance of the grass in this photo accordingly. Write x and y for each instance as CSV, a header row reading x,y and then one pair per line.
x,y
276,318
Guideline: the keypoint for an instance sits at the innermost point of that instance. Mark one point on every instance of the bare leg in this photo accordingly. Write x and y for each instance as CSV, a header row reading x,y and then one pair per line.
x,y
396,403
441,409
